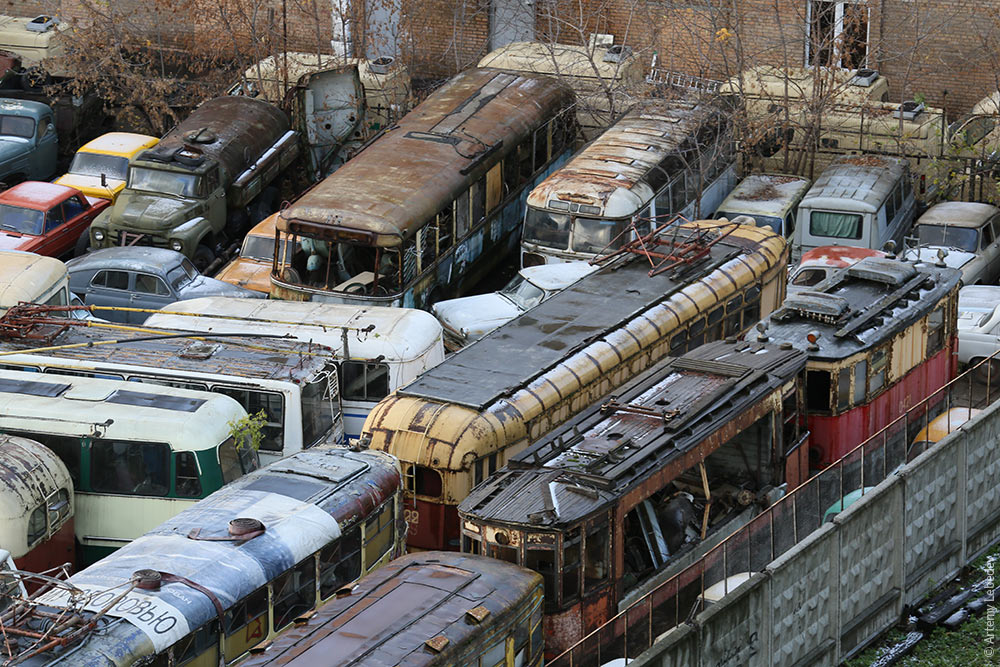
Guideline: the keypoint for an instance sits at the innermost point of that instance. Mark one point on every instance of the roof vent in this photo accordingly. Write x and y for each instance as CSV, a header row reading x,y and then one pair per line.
x,y
864,77
381,64
437,644
600,40
41,23
147,580
817,306
617,54
477,614
880,270
199,351
201,136
244,527
908,110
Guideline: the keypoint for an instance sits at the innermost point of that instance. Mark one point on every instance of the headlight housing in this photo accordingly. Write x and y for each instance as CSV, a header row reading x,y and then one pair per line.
x,y
177,245
98,235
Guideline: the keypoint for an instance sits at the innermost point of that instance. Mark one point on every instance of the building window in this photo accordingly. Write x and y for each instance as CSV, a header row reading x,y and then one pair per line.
x,y
838,34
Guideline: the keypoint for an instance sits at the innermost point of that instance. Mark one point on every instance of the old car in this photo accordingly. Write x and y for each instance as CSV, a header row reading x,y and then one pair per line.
x,y
469,318
819,263
252,268
100,167
979,327
29,145
46,218
966,235
141,277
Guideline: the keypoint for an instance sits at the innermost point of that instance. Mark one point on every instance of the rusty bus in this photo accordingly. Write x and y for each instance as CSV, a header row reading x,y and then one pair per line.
x,y
428,609
660,159
638,485
430,207
462,420
36,505
234,570
881,336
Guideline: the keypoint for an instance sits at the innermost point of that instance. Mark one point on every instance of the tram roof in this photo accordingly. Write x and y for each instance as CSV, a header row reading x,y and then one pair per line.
x,y
302,501
860,306
248,357
428,159
392,613
658,419
625,153
511,356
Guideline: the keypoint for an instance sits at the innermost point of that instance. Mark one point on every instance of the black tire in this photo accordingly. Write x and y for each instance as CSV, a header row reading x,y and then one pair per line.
x,y
82,244
988,372
203,256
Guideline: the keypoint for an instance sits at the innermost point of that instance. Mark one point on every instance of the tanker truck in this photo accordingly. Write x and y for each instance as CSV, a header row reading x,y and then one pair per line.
x,y
205,183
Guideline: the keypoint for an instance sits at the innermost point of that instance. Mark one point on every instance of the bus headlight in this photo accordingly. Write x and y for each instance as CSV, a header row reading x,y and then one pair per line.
x,y
98,235
177,245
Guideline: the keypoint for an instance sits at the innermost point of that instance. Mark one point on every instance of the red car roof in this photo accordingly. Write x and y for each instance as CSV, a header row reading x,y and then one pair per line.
x,y
38,195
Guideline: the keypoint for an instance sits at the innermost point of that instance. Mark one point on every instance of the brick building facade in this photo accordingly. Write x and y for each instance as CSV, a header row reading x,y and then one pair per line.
x,y
944,51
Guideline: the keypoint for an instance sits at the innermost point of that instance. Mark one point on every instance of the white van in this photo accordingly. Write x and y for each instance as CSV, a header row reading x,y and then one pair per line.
x,y
859,200
770,199
377,349
25,276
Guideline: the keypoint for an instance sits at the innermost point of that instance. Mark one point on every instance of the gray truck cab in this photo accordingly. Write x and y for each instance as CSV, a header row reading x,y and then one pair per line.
x,y
204,183
29,145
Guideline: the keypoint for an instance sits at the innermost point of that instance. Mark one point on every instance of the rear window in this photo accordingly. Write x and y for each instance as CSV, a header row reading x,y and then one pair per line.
x,y
835,225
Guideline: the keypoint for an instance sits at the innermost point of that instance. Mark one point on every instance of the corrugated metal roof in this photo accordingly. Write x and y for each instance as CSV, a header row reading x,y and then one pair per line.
x,y
511,356
607,449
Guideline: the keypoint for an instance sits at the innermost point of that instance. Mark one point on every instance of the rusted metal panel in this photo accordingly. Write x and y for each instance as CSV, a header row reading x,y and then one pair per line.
x,y
392,614
403,177
243,128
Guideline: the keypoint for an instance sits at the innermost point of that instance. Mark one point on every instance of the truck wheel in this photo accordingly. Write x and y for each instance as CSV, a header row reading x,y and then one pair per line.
x,y
82,244
203,256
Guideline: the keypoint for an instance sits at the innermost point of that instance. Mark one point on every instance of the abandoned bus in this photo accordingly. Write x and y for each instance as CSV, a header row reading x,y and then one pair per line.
x,y
25,276
36,505
881,337
293,383
428,209
425,609
377,350
463,419
659,160
636,486
234,570
137,455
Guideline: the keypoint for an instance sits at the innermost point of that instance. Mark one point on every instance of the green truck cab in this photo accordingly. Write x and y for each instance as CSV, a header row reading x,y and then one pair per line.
x,y
29,145
207,180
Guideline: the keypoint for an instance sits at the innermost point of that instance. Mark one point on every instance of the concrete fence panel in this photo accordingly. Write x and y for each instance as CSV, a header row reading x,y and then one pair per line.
x,y
931,517
734,630
675,648
982,445
803,601
871,576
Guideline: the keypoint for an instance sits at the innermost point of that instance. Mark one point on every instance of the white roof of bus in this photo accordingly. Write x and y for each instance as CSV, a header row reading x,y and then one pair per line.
x,y
29,472
989,105
82,409
24,276
764,194
399,334
567,60
855,183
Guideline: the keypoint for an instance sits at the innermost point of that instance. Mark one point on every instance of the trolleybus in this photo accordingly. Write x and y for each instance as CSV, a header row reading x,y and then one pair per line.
x,y
881,336
433,608
239,567
637,485
36,505
137,454
435,203
377,350
293,383
463,419
659,160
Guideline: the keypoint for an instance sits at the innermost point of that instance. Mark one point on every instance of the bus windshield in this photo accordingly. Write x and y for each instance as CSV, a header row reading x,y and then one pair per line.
x,y
545,228
166,182
594,235
963,238
760,220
